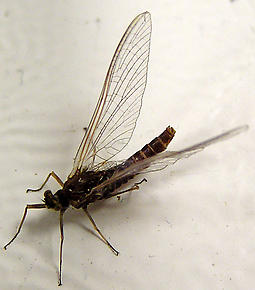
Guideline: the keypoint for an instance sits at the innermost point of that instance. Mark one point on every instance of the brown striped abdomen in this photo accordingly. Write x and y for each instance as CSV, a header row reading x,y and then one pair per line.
x,y
156,146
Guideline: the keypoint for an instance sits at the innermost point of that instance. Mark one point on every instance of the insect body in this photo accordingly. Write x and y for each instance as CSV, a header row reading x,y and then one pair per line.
x,y
93,176
80,189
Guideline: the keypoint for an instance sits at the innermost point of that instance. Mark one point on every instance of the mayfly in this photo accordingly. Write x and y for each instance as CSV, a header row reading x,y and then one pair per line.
x,y
94,175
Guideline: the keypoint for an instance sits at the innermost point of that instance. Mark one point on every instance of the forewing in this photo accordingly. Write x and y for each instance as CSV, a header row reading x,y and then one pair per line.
x,y
162,160
114,119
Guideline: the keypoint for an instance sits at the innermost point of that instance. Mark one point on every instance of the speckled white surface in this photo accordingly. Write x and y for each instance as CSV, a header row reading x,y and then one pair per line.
x,y
193,225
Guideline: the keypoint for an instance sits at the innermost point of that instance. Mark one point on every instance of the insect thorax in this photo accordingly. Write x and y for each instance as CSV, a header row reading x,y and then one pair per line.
x,y
78,188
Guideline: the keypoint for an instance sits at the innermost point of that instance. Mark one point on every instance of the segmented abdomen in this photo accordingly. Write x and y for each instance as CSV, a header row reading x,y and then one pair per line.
x,y
156,146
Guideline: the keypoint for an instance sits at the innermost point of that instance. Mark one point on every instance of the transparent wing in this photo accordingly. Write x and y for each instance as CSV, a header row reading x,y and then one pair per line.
x,y
162,160
114,119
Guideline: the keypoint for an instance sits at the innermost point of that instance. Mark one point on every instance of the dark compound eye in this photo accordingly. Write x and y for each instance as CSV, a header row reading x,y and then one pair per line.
x,y
48,193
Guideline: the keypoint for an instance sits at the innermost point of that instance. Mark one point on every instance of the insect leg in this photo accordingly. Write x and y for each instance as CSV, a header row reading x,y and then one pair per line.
x,y
54,175
99,232
61,213
134,187
29,206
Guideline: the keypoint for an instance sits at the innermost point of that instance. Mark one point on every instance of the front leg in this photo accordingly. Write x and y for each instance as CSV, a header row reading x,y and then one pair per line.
x,y
54,175
61,227
29,206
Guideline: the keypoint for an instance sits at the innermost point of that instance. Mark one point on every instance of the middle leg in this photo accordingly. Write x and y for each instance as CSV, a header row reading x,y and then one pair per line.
x,y
99,232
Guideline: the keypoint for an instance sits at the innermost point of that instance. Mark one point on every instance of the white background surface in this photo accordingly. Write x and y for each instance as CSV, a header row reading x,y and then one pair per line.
x,y
191,226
